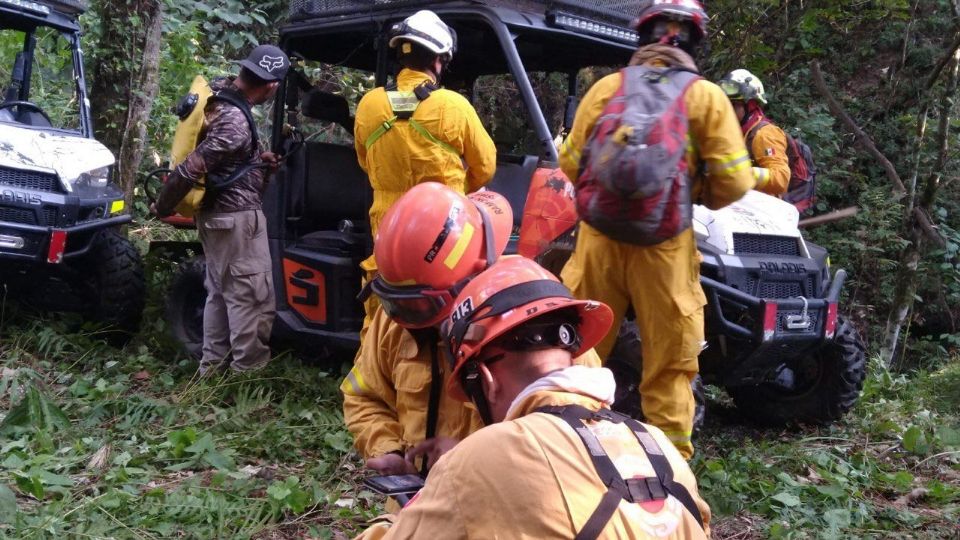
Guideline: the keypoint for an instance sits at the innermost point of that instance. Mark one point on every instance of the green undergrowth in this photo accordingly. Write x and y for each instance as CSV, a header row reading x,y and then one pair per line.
x,y
890,469
98,442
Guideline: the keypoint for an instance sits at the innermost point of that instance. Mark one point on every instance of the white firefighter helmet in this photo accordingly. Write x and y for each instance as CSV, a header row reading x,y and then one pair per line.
x,y
426,29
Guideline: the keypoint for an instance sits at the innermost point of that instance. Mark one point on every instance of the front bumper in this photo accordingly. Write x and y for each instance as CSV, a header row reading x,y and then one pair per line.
x,y
48,244
763,333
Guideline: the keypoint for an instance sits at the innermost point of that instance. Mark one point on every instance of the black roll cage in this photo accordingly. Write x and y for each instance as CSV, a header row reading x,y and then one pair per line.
x,y
507,25
67,27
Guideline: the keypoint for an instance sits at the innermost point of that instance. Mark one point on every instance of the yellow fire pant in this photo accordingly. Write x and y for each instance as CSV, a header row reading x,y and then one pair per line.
x,y
371,304
662,282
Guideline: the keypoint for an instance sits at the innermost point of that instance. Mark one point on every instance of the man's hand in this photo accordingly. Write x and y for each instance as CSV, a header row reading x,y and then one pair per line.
x,y
432,449
153,209
272,159
391,464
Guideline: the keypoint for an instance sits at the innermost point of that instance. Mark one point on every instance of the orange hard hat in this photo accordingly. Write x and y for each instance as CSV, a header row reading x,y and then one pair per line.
x,y
430,243
514,295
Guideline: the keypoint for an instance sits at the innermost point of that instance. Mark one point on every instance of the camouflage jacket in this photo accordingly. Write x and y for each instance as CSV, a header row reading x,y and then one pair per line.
x,y
225,144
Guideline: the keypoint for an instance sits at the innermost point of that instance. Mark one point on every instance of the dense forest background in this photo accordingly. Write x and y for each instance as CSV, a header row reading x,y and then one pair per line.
x,y
889,64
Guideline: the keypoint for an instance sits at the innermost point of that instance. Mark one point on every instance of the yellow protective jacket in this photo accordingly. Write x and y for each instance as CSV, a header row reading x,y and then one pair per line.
x,y
660,281
715,134
402,158
771,165
531,477
387,393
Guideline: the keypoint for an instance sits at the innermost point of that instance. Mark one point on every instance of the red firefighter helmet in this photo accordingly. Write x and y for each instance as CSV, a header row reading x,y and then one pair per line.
x,y
430,243
517,305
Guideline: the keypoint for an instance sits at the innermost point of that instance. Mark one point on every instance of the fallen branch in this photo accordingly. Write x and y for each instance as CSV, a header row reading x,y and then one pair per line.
x,y
864,140
828,217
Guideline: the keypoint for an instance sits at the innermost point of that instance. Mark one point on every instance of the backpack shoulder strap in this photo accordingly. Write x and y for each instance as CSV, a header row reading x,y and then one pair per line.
x,y
663,469
635,490
752,134
233,98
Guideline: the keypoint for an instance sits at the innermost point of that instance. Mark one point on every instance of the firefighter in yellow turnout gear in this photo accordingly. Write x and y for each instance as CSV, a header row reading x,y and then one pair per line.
x,y
415,131
661,281
554,461
394,397
766,143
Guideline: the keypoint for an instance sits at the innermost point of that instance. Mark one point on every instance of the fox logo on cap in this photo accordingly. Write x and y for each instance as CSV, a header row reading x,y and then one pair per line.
x,y
271,63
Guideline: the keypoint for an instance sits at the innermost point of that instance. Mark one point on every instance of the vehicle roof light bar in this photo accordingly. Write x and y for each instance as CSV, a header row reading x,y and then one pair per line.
x,y
581,25
26,5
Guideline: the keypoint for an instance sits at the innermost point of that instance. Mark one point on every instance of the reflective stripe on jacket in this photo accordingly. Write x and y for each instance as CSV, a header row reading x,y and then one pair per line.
x,y
532,477
716,140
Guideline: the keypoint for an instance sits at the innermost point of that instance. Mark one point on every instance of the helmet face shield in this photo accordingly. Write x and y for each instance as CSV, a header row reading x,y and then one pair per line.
x,y
742,85
732,89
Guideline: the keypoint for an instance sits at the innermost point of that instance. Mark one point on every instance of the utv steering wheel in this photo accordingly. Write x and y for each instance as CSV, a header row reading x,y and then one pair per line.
x,y
28,105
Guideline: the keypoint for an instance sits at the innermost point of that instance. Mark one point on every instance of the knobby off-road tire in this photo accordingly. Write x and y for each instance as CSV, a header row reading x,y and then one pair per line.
x,y
626,363
113,272
184,307
840,371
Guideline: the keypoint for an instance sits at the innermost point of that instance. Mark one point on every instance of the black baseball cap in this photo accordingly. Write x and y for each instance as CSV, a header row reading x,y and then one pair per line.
x,y
268,62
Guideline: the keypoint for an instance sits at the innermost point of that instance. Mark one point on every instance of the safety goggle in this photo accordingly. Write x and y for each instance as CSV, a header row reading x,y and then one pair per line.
x,y
413,306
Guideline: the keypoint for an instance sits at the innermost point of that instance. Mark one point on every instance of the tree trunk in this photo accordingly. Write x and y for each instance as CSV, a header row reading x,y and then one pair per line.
x,y
142,95
906,284
124,81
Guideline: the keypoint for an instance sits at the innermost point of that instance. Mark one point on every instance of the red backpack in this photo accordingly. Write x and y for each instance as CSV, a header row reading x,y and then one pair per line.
x,y
802,189
633,185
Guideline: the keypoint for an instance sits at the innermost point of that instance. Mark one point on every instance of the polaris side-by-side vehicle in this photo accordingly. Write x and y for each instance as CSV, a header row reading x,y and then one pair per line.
x,y
60,245
775,339
317,207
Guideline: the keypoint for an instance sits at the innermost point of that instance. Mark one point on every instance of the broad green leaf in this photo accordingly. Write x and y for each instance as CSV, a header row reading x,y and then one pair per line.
x,y
278,491
948,436
30,484
8,504
915,441
838,518
832,490
787,499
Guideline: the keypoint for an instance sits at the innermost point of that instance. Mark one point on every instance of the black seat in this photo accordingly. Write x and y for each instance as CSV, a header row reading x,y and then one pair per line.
x,y
336,189
512,180
328,107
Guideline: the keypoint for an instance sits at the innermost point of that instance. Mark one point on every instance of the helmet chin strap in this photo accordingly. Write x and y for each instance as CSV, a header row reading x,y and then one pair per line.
x,y
488,239
473,386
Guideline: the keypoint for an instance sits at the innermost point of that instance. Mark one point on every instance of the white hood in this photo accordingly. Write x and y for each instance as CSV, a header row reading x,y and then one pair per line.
x,y
45,151
756,213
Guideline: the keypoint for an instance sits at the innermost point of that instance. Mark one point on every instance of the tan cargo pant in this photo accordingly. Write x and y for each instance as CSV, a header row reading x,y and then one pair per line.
x,y
238,316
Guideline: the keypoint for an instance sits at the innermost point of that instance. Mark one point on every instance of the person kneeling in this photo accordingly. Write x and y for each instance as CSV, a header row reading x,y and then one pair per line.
x,y
554,461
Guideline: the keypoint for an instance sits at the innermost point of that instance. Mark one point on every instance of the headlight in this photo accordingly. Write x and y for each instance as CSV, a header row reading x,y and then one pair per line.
x,y
97,178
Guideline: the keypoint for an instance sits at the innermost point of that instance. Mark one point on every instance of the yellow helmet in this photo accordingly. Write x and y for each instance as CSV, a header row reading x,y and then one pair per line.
x,y
743,85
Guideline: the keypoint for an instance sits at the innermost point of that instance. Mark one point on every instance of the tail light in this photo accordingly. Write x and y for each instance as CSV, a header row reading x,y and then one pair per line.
x,y
830,326
769,320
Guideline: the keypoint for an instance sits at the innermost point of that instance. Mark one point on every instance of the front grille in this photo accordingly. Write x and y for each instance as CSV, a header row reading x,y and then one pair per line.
x,y
36,181
620,12
780,289
50,215
761,244
18,215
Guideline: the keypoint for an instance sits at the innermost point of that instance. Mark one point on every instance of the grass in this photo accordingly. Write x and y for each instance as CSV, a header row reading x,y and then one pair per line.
x,y
98,442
